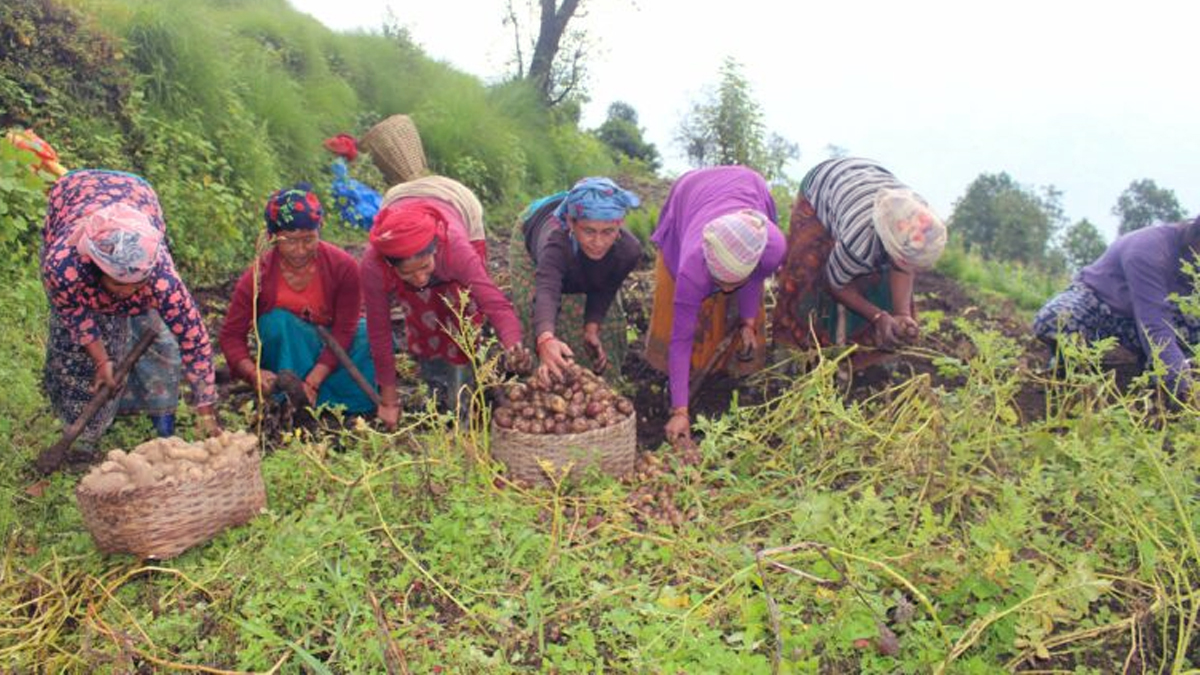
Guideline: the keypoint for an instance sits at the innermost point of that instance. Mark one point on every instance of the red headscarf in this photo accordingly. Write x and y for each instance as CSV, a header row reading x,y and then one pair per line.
x,y
344,145
406,227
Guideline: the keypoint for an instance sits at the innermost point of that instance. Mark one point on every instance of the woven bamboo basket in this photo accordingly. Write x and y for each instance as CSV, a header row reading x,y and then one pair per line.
x,y
162,521
395,147
610,449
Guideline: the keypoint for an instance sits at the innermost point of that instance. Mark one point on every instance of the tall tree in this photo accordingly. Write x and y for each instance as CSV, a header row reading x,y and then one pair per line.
x,y
1082,244
1143,202
621,133
726,127
557,64
1001,219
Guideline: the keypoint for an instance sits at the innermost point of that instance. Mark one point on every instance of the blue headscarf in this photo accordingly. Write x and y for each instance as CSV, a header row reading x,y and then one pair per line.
x,y
596,199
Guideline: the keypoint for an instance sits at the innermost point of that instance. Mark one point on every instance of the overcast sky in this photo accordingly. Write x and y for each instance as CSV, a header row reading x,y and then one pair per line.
x,y
1086,96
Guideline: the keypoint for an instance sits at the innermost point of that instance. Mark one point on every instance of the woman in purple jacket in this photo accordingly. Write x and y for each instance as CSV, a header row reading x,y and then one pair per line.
x,y
1126,294
717,238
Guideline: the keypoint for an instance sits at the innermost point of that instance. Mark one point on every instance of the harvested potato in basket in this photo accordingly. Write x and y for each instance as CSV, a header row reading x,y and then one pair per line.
x,y
168,461
580,402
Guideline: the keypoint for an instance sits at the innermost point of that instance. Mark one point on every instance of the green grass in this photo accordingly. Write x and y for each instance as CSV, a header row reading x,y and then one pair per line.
x,y
1001,541
1028,288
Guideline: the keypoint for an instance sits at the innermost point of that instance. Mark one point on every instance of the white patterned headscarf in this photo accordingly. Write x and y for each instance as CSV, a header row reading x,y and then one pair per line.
x,y
912,234
120,240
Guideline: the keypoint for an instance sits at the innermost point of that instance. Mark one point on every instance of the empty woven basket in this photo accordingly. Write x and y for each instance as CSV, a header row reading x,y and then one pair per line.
x,y
395,147
161,521
610,449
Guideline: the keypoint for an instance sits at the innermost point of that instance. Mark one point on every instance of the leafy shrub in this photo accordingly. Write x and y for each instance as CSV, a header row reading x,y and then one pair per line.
x,y
22,207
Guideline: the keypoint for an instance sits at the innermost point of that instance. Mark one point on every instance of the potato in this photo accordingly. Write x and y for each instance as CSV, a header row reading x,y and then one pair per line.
x,y
107,482
594,409
536,427
189,453
222,461
521,425
579,425
152,453
528,412
139,470
503,418
556,403
516,392
624,406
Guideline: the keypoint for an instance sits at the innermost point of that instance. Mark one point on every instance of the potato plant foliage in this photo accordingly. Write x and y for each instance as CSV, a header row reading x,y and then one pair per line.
x,y
923,529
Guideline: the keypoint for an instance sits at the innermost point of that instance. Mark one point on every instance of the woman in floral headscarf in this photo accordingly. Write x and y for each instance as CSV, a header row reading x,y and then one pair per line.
x,y
858,237
717,238
104,262
574,243
297,285
420,253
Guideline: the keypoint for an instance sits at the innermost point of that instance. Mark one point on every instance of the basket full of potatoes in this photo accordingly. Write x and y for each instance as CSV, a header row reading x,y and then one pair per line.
x,y
167,495
577,422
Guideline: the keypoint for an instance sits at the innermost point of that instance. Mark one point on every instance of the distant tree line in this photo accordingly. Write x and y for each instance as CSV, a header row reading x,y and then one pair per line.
x,y
1002,219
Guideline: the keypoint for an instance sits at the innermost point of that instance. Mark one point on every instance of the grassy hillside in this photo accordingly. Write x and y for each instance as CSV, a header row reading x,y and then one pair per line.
x,y
218,103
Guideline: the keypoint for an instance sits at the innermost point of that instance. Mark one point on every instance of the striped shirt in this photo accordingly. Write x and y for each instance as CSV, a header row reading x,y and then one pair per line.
x,y
842,192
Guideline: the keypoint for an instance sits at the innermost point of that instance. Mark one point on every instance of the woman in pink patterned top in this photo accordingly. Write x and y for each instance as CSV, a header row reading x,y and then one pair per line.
x,y
105,265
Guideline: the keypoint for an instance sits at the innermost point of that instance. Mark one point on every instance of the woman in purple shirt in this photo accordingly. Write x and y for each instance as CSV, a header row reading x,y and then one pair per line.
x,y
716,237
1126,294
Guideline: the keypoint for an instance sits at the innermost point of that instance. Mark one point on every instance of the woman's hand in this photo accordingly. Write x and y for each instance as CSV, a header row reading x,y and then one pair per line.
x,y
262,380
518,360
104,377
313,381
553,356
206,422
595,349
679,427
886,329
750,340
389,415
908,330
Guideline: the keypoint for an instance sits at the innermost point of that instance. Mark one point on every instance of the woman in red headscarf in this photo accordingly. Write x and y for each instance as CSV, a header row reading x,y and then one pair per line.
x,y
419,250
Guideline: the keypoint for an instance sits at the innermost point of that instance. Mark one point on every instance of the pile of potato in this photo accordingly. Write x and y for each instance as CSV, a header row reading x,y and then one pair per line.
x,y
168,461
581,401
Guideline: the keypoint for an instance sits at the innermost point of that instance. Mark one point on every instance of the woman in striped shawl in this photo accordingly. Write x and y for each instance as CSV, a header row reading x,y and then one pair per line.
x,y
858,238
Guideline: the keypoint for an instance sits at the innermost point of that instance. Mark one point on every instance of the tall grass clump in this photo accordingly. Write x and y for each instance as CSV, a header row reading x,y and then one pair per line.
x,y
1028,287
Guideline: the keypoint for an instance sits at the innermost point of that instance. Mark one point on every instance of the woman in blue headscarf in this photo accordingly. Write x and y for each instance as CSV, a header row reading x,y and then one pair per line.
x,y
574,243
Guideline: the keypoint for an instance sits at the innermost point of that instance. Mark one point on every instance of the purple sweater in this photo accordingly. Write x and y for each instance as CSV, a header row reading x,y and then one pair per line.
x,y
1134,277
696,198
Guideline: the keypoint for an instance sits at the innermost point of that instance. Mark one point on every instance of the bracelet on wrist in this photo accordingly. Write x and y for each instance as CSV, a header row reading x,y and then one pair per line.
x,y
876,316
544,338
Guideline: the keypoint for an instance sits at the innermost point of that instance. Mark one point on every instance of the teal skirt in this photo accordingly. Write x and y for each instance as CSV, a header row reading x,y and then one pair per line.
x,y
291,343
